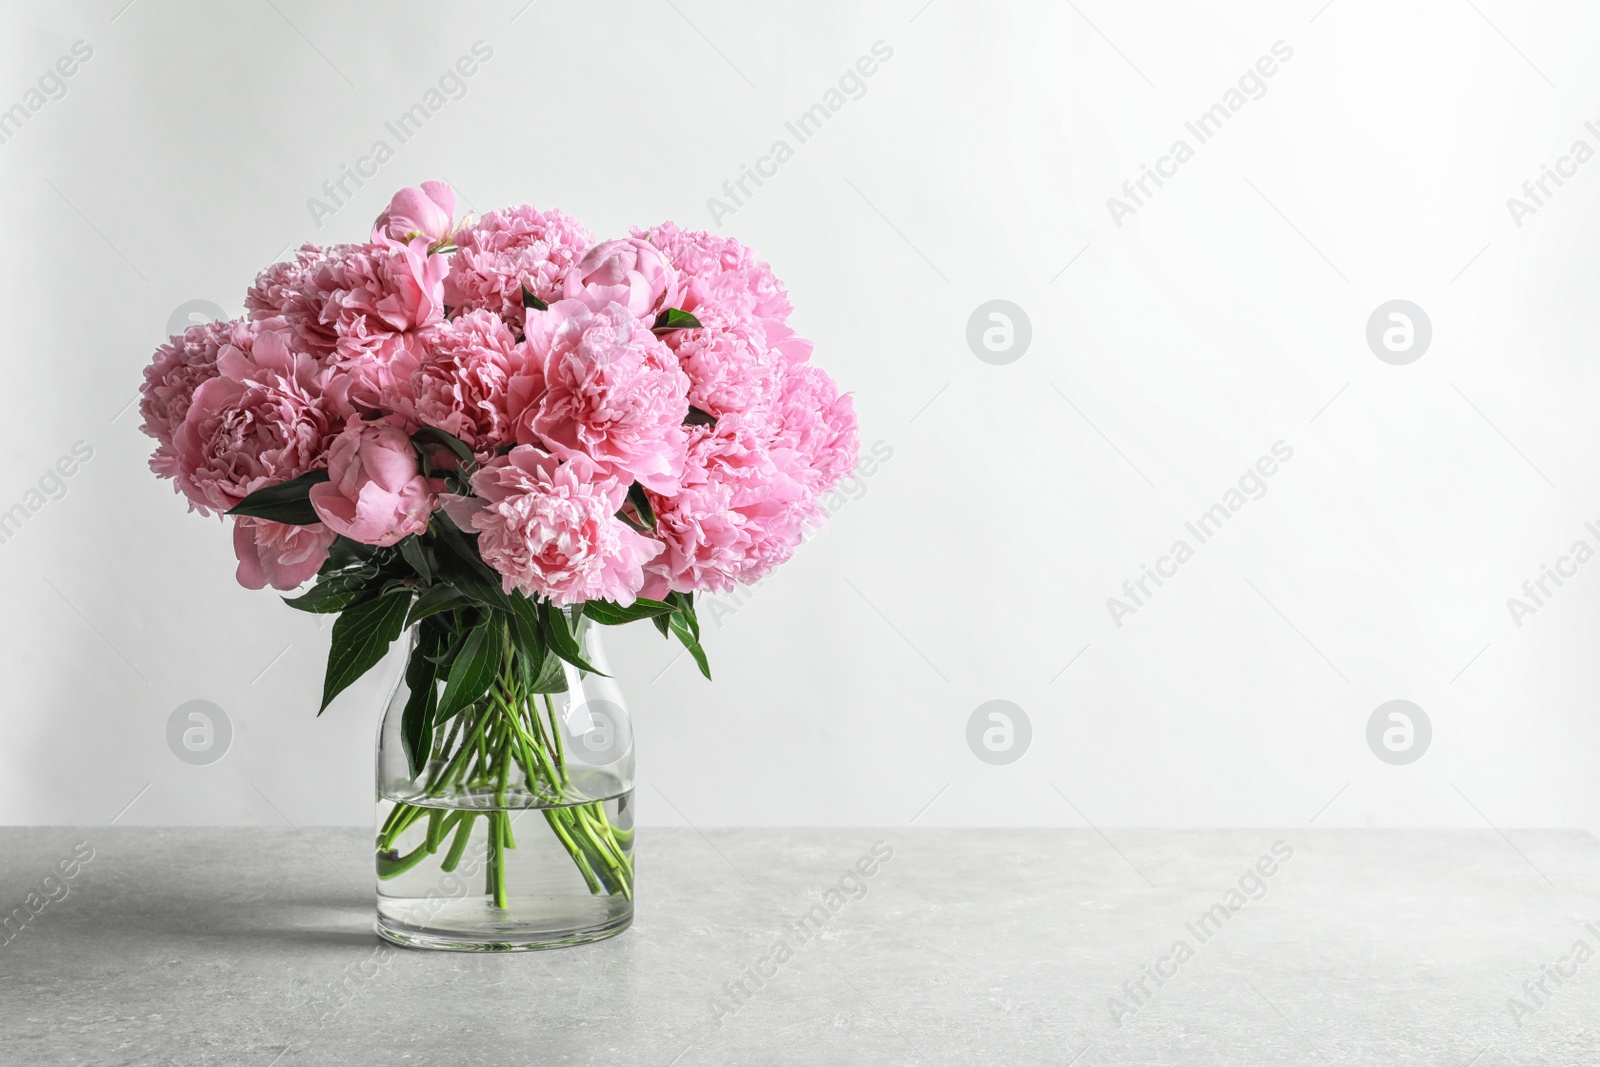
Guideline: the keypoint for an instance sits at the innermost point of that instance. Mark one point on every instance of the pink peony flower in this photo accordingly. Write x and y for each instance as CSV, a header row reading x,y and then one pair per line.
x,y
260,421
280,296
377,378
507,249
751,486
600,385
817,424
549,527
180,367
737,514
720,275
730,365
426,212
376,493
631,272
277,554
392,287
345,303
459,384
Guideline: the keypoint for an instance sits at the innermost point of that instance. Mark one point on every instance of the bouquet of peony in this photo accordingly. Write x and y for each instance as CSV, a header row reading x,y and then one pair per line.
x,y
490,434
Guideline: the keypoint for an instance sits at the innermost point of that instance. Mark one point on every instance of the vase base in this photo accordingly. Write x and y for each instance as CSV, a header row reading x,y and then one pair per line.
x,y
510,937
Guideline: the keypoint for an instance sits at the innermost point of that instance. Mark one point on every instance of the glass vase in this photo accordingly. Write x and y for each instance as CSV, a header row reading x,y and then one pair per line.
x,y
514,829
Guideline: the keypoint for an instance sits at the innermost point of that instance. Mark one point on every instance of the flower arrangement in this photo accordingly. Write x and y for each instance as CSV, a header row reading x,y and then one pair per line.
x,y
494,432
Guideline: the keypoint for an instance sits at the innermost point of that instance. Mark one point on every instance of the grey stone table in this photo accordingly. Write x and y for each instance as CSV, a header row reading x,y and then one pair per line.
x,y
254,948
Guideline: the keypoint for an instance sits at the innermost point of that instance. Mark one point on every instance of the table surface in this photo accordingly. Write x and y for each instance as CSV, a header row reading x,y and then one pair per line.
x,y
247,947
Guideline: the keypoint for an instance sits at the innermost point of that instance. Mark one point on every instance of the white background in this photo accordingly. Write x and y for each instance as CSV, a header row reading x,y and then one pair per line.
x,y
1229,313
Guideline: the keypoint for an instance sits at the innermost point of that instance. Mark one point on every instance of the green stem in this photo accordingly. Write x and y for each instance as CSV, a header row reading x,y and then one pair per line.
x,y
439,825
552,816
537,749
396,827
555,732
450,738
604,867
497,858
458,762
391,865
594,816
459,844
394,815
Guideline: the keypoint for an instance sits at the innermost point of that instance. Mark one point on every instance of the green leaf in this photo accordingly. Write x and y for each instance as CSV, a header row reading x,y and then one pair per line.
x,y
660,623
558,638
531,301
345,553
641,503
336,592
675,319
416,721
474,668
696,417
361,636
287,502
528,621
552,678
455,541
527,640
539,668
325,599
416,554
606,613
434,599
690,642
684,602
485,594
450,441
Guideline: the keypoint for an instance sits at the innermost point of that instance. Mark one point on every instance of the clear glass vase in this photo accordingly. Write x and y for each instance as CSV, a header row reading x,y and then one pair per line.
x,y
515,829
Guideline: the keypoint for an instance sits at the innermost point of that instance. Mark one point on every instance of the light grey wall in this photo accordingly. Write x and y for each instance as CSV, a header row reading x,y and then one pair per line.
x,y
1171,348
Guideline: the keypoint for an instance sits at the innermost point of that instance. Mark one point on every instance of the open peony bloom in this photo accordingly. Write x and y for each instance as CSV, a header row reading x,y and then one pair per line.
x,y
731,364
275,554
426,212
550,528
343,304
599,385
459,383
631,272
261,420
180,367
509,250
721,278
375,492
